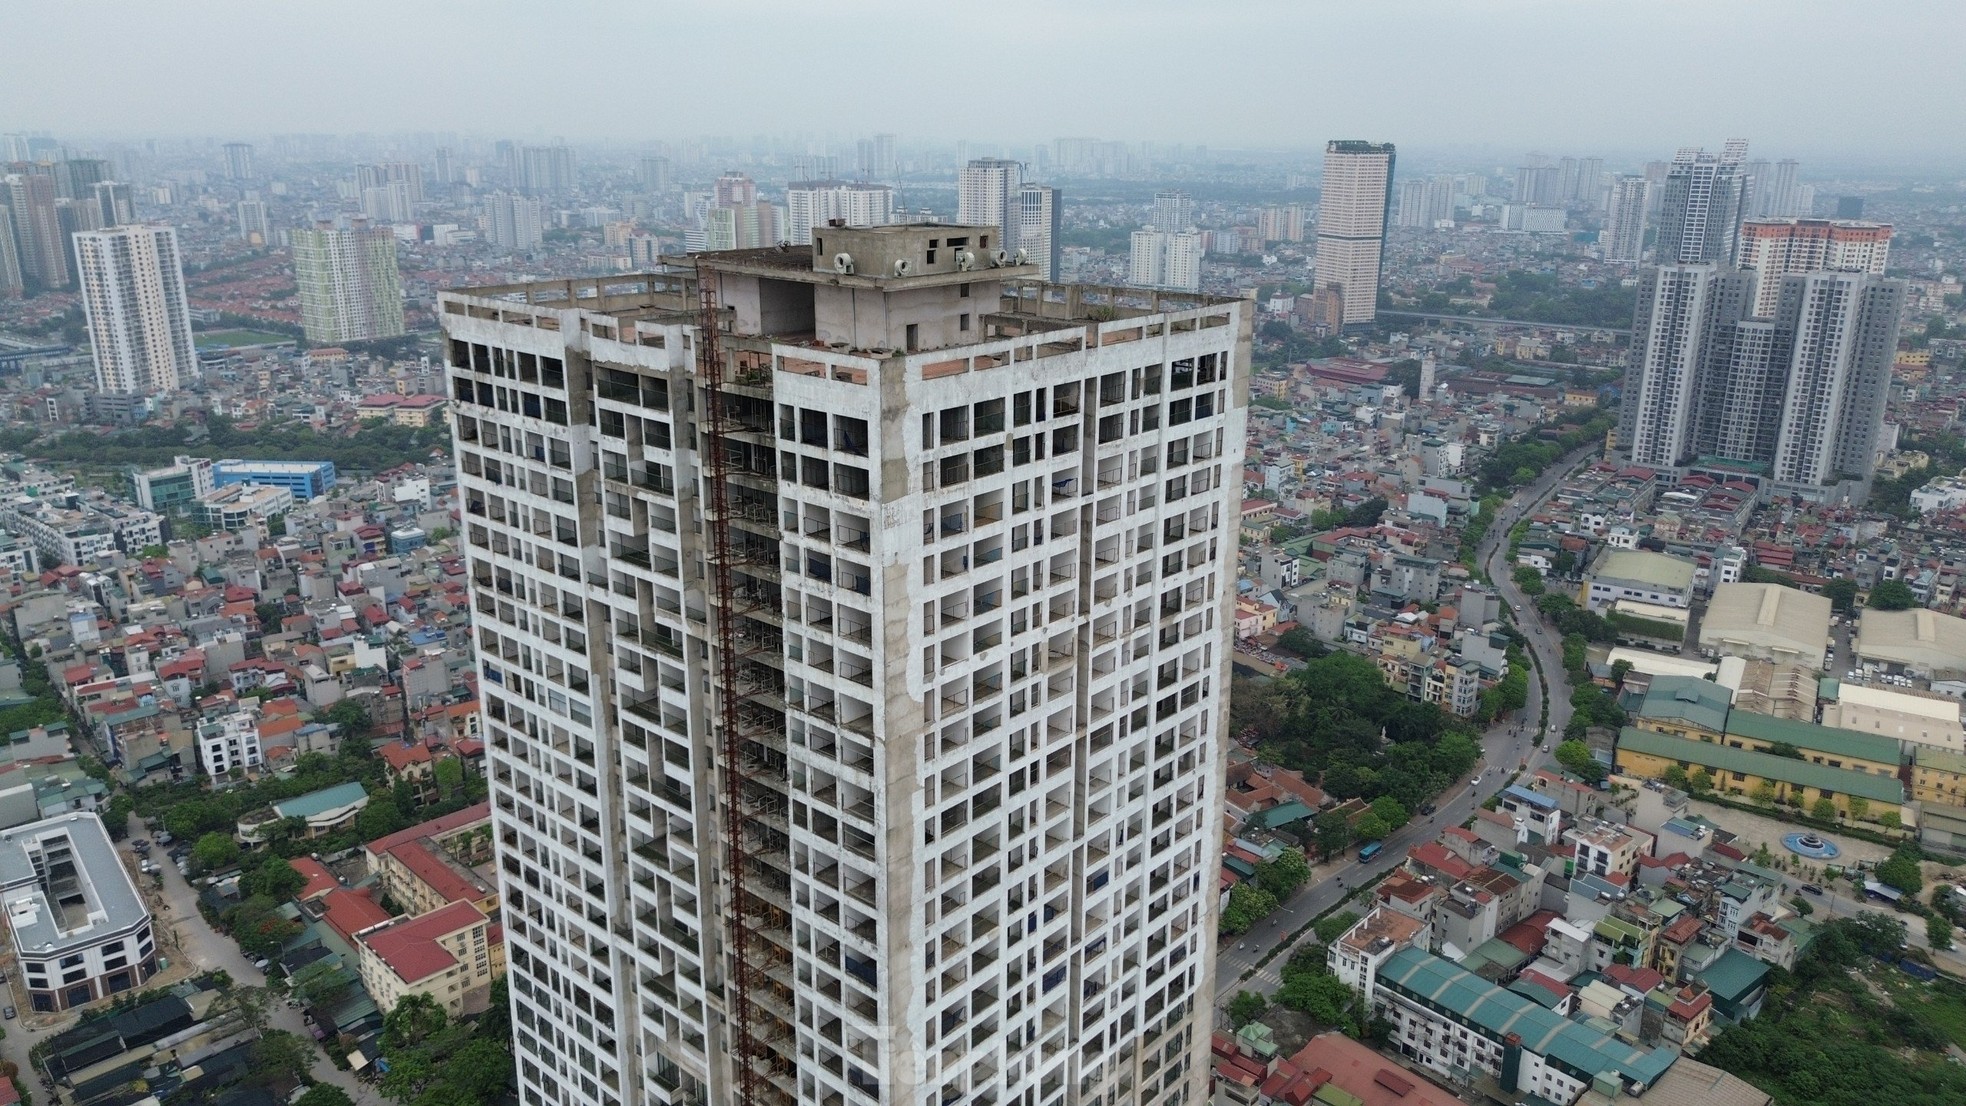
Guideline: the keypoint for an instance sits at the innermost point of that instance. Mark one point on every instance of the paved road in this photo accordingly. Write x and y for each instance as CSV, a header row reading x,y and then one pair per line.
x,y
1505,746
183,936
1841,900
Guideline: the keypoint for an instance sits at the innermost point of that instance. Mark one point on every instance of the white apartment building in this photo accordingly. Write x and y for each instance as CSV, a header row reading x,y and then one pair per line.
x,y
1174,210
1039,236
1624,229
1657,409
78,926
815,203
139,318
253,225
986,194
1774,248
228,741
1351,225
1842,330
1701,204
515,222
1162,260
957,595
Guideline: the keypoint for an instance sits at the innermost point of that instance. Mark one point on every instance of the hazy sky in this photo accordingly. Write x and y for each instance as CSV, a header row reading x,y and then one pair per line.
x,y
1836,78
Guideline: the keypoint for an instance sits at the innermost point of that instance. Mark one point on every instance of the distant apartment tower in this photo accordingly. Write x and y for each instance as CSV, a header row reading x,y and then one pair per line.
x,y
1624,226
1425,203
1412,203
1842,329
1281,223
239,161
1776,191
1174,211
113,203
139,317
546,170
693,728
876,157
1160,259
11,281
814,203
1538,184
1038,211
349,288
986,195
253,227
37,228
445,167
1774,248
736,188
654,174
1580,181
388,202
76,178
1799,396
1679,308
1351,231
1701,206
517,222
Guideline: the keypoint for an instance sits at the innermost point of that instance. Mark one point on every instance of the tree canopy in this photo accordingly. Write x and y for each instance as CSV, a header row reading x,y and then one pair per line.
x,y
1327,718
1892,595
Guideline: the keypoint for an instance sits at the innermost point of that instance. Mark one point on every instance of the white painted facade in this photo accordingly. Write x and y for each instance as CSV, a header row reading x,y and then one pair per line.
x,y
982,591
229,741
139,319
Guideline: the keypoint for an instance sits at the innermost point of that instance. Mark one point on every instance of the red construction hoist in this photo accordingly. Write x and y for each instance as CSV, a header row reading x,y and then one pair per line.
x,y
747,1053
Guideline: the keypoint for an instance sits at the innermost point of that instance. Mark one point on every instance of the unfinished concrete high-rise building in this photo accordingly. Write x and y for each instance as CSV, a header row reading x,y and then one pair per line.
x,y
853,628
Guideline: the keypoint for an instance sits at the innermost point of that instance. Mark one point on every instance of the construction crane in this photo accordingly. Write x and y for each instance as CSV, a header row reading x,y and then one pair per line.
x,y
747,1051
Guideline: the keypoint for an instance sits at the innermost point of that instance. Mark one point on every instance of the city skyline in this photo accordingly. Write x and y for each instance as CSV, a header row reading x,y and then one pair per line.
x,y
1349,88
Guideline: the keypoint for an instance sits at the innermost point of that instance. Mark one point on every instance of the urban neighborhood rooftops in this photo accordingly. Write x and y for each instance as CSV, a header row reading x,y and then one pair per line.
x,y
1501,1012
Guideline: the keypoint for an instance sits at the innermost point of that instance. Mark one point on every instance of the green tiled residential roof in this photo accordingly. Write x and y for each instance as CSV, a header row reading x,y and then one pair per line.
x,y
1800,773
1810,737
1499,1012
1733,975
1701,702
320,802
1282,814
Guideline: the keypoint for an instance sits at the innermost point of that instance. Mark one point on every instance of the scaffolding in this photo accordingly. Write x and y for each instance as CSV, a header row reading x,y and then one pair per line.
x,y
746,1047
743,567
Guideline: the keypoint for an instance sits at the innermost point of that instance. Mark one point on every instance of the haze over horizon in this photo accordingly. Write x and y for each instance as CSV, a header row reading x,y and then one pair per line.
x,y
1433,76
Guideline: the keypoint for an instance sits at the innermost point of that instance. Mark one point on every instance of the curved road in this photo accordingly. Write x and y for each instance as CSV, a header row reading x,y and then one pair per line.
x,y
1505,746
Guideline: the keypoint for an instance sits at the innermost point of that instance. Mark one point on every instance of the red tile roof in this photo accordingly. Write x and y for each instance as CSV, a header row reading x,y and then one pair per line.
x,y
320,881
410,947
351,912
434,828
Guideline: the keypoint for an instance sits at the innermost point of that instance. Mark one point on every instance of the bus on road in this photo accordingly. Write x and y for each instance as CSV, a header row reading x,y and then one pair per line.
x,y
1369,850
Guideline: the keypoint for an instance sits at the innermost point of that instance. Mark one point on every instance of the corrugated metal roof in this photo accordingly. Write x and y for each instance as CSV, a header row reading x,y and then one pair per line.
x,y
1808,736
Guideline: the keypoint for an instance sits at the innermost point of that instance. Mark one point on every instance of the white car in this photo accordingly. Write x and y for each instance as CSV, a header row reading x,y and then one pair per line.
x,y
1476,782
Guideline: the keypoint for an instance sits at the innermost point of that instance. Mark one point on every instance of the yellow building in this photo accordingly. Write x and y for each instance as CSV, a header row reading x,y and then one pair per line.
x,y
445,860
1939,777
1742,771
448,954
1829,746
1683,706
